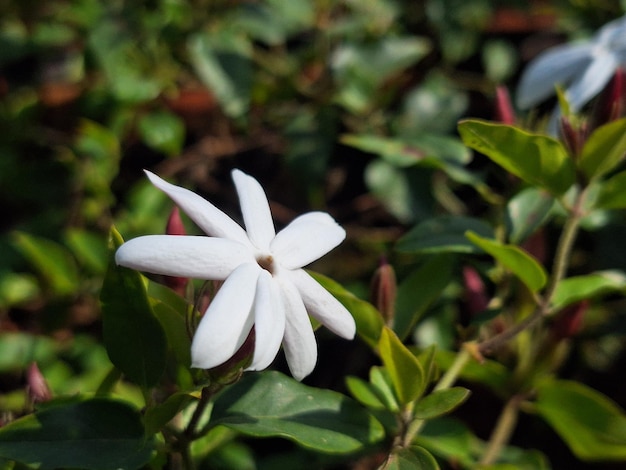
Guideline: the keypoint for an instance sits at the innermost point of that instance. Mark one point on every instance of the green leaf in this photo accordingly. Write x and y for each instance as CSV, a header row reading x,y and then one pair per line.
x,y
490,373
222,61
449,438
612,193
443,234
526,212
134,338
537,159
520,263
413,458
51,260
158,416
95,434
272,404
420,290
17,288
90,249
369,321
405,371
364,392
577,288
604,149
18,350
162,131
592,426
383,386
440,402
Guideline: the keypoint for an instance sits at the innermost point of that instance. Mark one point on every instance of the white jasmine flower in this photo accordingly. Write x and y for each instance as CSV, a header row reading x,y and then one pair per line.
x,y
265,286
584,68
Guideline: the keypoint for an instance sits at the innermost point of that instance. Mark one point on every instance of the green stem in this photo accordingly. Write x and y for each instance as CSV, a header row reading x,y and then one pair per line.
x,y
503,430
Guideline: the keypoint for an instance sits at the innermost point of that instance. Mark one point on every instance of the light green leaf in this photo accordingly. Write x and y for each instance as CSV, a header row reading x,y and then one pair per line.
x,y
604,149
592,426
96,434
272,404
162,131
449,438
526,212
383,386
440,402
90,248
405,371
443,234
134,339
369,321
537,159
364,392
577,288
420,290
17,288
413,458
520,263
155,417
612,193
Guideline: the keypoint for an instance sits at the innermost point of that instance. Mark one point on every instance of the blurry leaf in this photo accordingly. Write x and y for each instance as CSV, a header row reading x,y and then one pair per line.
x,y
405,371
134,339
155,417
419,290
369,321
89,248
413,458
443,234
604,149
526,212
593,426
359,69
490,373
450,439
271,404
162,131
577,288
612,192
520,263
382,385
364,393
440,402
94,434
537,159
500,59
17,288
18,350
51,260
222,61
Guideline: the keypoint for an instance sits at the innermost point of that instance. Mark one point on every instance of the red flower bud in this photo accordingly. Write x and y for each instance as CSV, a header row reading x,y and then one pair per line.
x,y
475,297
384,290
504,108
175,227
569,321
610,105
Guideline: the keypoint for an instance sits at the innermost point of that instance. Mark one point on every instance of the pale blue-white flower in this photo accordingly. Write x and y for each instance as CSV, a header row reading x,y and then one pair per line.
x,y
582,68
264,288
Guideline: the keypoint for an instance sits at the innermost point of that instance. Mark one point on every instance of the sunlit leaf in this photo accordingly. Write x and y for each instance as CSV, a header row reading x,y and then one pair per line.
x,y
383,386
577,288
272,404
95,434
440,402
612,193
537,159
412,458
163,131
364,392
520,263
526,212
604,149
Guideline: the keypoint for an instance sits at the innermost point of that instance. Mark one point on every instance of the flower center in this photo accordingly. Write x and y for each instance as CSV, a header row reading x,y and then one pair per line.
x,y
266,262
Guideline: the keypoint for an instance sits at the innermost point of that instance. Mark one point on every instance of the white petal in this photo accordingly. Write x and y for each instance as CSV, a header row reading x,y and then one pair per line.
x,y
557,65
184,256
255,210
269,322
306,239
209,218
321,305
299,341
228,320
596,76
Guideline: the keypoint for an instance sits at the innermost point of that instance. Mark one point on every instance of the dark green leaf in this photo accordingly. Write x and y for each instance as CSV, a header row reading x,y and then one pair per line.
x,y
272,404
520,263
526,212
604,149
158,416
612,192
449,438
405,371
419,290
95,434
443,234
440,402
413,458
593,426
490,373
537,159
134,338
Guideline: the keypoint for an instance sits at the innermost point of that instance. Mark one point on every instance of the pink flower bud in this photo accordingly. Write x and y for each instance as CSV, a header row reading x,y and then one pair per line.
x,y
384,290
475,297
37,387
504,108
175,227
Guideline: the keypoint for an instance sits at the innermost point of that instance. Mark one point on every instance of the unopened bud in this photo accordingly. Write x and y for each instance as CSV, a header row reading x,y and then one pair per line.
x,y
569,321
37,387
231,370
504,108
384,290
610,104
475,297
536,245
175,227
573,135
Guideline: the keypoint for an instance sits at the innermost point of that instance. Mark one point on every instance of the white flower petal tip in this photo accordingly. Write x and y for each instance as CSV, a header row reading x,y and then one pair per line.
x,y
265,290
